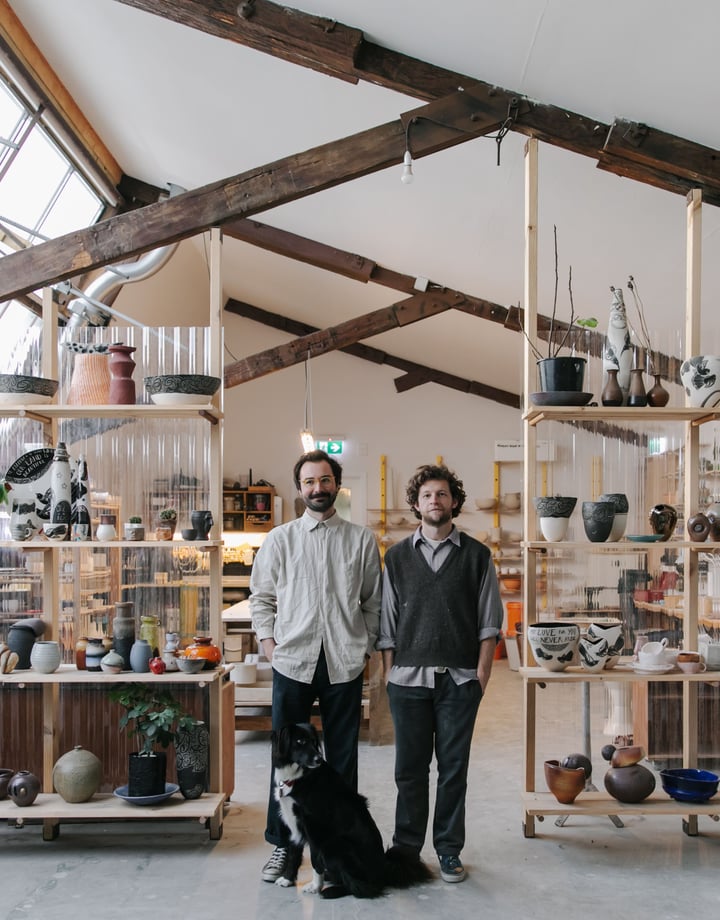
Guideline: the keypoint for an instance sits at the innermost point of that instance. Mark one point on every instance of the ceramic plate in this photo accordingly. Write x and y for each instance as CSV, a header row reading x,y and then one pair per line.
x,y
180,399
122,793
29,477
561,398
645,537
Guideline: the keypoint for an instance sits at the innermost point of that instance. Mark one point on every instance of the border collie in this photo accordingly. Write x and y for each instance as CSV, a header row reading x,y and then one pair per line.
x,y
319,808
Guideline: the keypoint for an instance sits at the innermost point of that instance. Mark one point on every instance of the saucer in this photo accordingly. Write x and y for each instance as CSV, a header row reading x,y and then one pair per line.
x,y
653,668
122,793
645,537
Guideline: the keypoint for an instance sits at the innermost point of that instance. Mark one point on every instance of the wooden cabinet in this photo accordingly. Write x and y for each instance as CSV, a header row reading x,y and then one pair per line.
x,y
249,510
636,436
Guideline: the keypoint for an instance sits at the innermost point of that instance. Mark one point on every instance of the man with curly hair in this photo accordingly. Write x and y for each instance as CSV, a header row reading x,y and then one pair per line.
x,y
441,618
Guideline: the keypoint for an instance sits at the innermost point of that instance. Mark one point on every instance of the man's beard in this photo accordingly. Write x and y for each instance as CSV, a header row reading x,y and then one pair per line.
x,y
321,501
437,518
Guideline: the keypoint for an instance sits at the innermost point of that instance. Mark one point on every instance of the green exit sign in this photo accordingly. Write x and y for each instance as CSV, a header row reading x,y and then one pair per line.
x,y
330,447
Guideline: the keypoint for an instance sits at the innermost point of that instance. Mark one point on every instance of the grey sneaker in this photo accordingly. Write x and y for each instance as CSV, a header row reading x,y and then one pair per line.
x,y
275,866
451,869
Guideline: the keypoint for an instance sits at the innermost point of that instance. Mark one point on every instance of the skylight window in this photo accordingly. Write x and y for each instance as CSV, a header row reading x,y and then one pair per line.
x,y
42,195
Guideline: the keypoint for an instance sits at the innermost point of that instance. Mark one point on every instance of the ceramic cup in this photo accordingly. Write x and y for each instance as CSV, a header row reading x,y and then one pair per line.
x,y
692,667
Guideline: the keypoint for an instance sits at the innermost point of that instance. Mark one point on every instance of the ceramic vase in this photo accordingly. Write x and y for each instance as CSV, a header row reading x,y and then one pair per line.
x,y
202,647
106,528
712,513
637,397
565,783
5,777
620,504
699,527
60,487
192,753
598,520
554,645
630,784
612,394
123,630
554,513
77,775
617,354
140,655
90,382
700,375
150,631
657,395
612,632
122,386
21,641
23,788
593,652
94,653
45,656
81,528
202,521
663,519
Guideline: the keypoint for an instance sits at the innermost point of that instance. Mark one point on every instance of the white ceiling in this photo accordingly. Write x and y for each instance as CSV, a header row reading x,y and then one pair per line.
x,y
175,105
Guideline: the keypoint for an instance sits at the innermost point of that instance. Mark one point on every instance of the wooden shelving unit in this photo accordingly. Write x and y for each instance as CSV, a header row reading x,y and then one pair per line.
x,y
688,421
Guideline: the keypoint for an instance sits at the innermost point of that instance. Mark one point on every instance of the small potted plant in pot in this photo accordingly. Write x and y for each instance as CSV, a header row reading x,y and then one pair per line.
x,y
134,529
153,716
167,521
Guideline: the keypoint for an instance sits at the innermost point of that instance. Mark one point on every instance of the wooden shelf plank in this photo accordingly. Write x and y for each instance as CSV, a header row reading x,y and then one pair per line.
x,y
598,803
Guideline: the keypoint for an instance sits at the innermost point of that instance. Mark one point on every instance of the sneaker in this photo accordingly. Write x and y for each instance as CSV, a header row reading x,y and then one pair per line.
x,y
275,866
451,869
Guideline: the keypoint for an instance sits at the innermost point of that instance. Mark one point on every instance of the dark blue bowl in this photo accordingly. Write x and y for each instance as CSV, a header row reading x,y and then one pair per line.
x,y
689,785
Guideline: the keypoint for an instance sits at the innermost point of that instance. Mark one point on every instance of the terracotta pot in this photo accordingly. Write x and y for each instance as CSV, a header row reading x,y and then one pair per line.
x,y
565,783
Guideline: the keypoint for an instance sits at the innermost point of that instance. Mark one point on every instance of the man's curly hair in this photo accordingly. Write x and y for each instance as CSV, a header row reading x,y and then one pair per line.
x,y
427,472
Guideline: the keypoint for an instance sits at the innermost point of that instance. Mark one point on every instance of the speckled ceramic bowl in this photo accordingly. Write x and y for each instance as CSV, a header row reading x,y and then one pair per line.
x,y
189,384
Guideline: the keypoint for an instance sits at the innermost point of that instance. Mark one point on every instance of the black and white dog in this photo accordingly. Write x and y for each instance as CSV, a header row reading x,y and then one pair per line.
x,y
319,808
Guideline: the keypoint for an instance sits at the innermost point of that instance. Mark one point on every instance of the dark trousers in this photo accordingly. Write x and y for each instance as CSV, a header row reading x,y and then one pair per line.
x,y
340,709
426,718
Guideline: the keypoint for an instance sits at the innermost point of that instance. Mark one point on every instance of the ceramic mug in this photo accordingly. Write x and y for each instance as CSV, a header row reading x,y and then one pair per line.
x,y
692,667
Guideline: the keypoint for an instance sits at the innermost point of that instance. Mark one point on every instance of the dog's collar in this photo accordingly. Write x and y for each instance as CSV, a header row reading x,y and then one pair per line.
x,y
285,786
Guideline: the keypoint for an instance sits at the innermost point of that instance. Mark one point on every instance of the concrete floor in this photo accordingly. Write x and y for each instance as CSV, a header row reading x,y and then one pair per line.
x,y
587,868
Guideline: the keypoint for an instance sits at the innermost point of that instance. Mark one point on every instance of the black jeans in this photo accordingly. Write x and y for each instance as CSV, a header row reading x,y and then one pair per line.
x,y
340,710
442,718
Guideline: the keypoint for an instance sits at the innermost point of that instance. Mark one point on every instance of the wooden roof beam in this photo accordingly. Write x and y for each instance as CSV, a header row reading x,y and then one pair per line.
x,y
651,156
437,126
414,374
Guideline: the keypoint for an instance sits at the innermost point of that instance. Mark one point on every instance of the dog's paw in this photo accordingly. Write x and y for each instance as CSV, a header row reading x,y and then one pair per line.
x,y
283,882
315,886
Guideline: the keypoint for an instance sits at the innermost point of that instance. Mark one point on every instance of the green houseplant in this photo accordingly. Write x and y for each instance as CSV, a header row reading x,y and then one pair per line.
x,y
153,716
167,521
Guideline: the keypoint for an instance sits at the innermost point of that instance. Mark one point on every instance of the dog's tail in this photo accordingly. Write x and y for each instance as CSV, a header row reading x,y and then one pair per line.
x,y
403,868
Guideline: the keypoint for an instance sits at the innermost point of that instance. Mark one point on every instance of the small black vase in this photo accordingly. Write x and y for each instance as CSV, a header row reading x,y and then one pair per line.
x,y
663,519
192,752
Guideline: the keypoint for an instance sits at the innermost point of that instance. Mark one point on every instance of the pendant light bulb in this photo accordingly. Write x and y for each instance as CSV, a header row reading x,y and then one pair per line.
x,y
407,173
307,440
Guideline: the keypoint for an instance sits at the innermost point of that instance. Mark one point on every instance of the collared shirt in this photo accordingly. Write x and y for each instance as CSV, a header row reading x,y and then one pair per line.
x,y
489,607
317,584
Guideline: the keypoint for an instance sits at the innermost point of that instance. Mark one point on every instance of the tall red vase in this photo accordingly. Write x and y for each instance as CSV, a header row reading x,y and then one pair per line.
x,y
122,386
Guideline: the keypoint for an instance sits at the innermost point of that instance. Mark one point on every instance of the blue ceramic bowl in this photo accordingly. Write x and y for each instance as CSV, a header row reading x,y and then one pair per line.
x,y
688,785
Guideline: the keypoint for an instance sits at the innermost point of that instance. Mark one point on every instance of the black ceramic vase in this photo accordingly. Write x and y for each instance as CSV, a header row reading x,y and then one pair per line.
x,y
192,754
564,374
598,520
23,788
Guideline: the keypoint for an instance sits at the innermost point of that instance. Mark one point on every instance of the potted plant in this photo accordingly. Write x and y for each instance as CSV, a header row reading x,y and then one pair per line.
x,y
167,521
134,529
563,373
153,716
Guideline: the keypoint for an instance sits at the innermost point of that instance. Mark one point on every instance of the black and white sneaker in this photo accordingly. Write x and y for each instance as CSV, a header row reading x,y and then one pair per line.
x,y
275,866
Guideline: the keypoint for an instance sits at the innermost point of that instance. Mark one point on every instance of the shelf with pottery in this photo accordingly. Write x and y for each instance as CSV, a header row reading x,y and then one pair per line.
x,y
250,509
592,427
51,809
45,701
